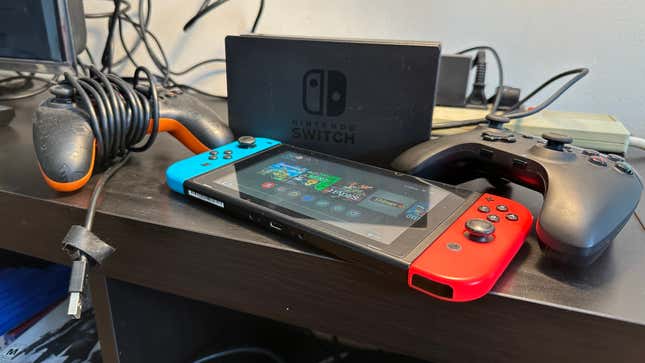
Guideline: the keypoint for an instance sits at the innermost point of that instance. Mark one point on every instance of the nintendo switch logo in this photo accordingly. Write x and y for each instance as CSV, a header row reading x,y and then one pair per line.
x,y
324,92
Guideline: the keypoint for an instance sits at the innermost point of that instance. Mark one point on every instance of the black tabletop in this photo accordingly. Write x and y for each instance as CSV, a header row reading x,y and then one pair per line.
x,y
175,245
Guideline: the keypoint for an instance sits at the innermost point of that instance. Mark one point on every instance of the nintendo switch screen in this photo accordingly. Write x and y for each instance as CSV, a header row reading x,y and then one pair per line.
x,y
373,203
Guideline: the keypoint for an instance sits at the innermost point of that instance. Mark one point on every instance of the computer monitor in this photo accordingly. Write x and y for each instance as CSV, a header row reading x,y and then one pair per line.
x,y
41,36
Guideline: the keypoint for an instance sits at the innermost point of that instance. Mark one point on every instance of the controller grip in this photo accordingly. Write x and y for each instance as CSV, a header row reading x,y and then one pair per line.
x,y
65,147
193,123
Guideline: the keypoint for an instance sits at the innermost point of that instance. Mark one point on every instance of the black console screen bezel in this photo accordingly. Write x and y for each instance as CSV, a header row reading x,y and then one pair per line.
x,y
399,248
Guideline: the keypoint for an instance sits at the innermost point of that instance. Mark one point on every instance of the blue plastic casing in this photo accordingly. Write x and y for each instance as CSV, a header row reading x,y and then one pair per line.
x,y
202,163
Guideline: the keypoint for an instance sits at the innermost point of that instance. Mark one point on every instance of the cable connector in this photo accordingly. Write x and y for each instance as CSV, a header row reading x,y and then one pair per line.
x,y
477,97
86,250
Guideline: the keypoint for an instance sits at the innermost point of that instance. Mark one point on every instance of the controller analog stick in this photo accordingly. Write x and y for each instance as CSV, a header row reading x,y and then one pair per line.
x,y
62,91
555,141
497,121
479,230
246,142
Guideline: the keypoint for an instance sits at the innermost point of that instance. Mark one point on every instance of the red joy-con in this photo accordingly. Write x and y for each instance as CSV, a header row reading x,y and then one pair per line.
x,y
457,267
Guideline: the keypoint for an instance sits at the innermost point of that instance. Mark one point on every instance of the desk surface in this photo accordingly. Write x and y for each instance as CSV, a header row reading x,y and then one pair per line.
x,y
168,243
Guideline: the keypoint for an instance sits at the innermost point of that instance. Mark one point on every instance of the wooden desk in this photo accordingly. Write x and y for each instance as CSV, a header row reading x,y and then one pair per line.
x,y
537,312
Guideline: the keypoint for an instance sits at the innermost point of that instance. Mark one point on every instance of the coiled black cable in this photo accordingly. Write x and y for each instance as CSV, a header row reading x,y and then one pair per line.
x,y
119,112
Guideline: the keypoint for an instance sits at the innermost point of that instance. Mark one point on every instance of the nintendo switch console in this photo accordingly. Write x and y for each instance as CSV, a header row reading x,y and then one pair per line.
x,y
448,243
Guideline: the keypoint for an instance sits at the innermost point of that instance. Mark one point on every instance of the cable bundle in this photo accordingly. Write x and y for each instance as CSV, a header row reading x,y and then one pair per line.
x,y
119,112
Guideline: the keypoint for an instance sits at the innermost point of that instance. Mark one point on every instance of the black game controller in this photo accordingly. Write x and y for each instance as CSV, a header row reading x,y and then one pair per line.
x,y
66,147
588,196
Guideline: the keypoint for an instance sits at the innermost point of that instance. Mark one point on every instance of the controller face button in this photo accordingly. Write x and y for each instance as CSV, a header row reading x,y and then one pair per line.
x,y
479,230
512,217
597,160
589,152
205,164
624,168
228,152
483,209
493,218
615,158
212,157
213,152
246,141
228,156
454,246
502,208
490,199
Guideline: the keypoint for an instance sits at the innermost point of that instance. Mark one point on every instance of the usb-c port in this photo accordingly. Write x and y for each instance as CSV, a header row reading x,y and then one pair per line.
x,y
276,226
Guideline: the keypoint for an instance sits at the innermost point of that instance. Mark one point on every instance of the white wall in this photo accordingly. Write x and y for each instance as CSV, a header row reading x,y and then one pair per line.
x,y
536,39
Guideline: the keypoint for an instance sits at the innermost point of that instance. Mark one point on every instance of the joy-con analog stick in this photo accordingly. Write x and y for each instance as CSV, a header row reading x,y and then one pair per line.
x,y
246,142
479,230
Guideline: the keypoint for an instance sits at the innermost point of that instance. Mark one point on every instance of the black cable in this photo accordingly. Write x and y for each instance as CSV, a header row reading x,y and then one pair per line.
x,y
27,79
500,72
146,37
202,12
126,8
118,114
543,85
580,73
106,58
207,8
258,16
458,124
244,350
91,210
197,65
162,63
197,90
90,56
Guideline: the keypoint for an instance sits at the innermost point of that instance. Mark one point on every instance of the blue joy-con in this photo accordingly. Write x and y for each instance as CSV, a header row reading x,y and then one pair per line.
x,y
202,163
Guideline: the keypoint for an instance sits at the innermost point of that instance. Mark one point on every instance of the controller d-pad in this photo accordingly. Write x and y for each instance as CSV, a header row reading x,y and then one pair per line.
x,y
498,135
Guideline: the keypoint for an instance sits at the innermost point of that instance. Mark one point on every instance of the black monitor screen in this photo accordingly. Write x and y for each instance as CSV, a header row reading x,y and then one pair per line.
x,y
29,30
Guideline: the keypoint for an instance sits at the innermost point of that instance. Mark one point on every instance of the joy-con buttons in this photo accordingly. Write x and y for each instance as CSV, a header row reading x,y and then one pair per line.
x,y
483,209
224,155
454,246
512,217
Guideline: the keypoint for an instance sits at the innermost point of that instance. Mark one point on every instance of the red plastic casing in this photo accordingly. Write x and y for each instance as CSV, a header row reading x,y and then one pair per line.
x,y
459,269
